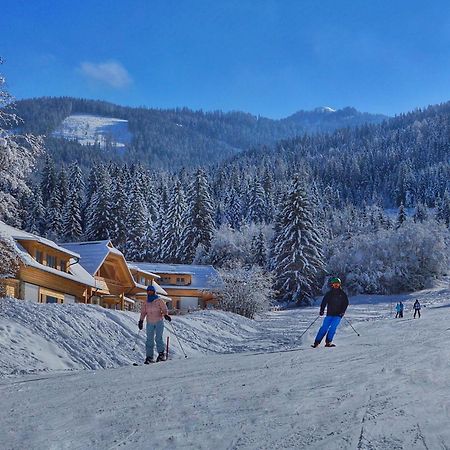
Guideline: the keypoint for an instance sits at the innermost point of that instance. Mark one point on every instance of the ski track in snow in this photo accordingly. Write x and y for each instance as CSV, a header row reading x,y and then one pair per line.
x,y
387,389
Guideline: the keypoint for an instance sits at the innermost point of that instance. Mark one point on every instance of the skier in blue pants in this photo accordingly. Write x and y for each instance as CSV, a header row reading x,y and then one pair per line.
x,y
336,302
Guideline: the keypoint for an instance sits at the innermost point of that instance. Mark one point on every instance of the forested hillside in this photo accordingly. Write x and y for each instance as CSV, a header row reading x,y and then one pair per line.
x,y
299,209
403,160
178,137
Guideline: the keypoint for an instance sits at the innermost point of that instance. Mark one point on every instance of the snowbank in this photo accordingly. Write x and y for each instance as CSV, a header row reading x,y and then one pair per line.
x,y
40,337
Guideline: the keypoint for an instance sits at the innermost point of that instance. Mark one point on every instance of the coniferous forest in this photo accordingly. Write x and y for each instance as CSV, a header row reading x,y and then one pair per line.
x,y
363,197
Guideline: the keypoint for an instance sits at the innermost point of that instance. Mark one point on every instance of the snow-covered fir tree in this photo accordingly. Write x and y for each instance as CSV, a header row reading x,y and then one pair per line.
x,y
35,216
98,225
199,218
256,208
259,250
120,211
443,209
174,226
160,222
297,256
420,214
137,234
49,179
72,228
54,216
401,216
233,209
62,185
18,153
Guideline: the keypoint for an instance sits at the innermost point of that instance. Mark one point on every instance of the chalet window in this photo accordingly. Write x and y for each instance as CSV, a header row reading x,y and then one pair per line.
x,y
143,280
50,297
63,263
51,261
165,280
180,280
39,256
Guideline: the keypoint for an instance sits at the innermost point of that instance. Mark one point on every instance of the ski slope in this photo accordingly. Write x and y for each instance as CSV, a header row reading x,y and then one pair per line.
x,y
387,389
91,129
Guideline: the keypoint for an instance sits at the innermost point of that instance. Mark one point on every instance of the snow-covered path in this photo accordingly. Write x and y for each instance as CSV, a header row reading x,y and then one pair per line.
x,y
388,389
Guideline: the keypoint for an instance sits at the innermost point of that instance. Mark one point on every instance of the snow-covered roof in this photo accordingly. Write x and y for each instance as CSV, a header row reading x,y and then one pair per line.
x,y
133,266
92,253
75,271
203,277
25,236
159,289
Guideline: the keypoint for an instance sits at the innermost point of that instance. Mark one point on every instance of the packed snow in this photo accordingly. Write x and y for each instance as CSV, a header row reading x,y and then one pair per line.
x,y
90,129
245,384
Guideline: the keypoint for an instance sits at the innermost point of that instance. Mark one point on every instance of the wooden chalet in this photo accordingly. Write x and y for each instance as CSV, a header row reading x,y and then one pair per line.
x,y
114,283
142,279
189,286
48,272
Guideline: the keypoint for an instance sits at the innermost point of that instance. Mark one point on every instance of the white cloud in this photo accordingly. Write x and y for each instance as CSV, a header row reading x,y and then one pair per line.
x,y
112,73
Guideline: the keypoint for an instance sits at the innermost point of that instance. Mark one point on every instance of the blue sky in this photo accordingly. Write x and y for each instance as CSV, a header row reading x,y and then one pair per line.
x,y
268,57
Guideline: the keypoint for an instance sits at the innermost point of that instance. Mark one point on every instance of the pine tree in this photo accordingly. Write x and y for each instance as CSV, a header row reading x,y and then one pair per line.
x,y
136,227
98,225
259,250
120,211
421,214
54,223
401,216
256,209
173,226
160,223
199,220
18,153
233,210
76,180
35,217
297,247
49,179
443,209
72,228
62,185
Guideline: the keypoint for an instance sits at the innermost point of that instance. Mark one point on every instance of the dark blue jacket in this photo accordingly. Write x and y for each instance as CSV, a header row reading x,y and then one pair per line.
x,y
336,302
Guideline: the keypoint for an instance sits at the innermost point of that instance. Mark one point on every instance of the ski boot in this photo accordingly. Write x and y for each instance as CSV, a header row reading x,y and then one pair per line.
x,y
149,360
329,344
161,357
316,344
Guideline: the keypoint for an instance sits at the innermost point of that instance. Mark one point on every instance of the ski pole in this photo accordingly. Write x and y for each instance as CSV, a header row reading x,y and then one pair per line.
x,y
311,324
167,348
348,321
173,331
135,341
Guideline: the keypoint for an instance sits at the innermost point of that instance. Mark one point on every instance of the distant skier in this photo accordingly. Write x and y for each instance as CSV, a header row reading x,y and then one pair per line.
x,y
154,310
399,309
336,302
417,308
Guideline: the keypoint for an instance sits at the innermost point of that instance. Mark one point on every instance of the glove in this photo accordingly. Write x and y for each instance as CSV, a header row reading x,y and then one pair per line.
x,y
168,318
321,313
141,324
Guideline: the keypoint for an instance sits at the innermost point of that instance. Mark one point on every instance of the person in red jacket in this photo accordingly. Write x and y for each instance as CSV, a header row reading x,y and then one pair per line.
x,y
336,302
154,310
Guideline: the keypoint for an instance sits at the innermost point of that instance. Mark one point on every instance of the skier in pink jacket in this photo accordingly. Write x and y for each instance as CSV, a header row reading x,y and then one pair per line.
x,y
154,310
